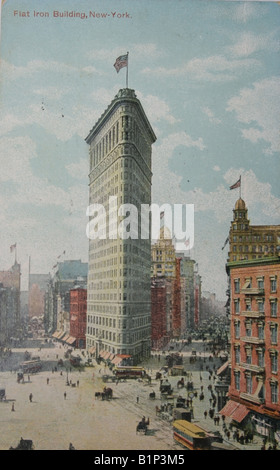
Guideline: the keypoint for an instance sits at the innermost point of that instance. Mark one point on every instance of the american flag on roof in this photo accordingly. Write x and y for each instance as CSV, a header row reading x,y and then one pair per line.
x,y
237,184
121,62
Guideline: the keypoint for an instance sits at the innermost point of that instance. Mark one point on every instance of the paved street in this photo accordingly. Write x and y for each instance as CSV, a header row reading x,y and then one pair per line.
x,y
52,420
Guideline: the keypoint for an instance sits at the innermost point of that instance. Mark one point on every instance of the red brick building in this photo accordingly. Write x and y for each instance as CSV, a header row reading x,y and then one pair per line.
x,y
161,312
78,316
255,344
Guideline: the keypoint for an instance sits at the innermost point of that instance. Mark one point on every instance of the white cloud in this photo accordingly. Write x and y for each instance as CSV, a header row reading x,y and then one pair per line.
x,y
211,115
12,72
156,109
51,93
245,11
137,51
216,168
248,43
259,106
78,169
215,69
15,156
256,194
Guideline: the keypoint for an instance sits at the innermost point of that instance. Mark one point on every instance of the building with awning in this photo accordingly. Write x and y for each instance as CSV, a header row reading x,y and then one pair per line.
x,y
56,334
235,411
71,340
61,335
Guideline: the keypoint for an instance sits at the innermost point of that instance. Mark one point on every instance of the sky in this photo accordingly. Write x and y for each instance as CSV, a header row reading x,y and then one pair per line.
x,y
207,75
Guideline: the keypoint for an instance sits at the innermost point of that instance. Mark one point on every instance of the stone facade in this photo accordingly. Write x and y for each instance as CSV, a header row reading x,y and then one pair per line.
x,y
119,302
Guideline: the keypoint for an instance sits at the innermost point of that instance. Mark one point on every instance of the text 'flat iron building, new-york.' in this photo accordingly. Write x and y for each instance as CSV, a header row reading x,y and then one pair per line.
x,y
119,298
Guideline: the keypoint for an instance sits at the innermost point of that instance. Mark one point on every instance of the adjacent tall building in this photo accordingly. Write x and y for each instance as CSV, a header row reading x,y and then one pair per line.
x,y
119,298
10,320
254,271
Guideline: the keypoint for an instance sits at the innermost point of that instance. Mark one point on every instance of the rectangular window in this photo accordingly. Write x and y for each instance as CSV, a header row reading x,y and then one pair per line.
x,y
237,306
273,285
261,358
274,333
273,308
260,284
237,355
248,329
237,380
274,392
249,384
237,330
248,356
261,331
237,286
274,363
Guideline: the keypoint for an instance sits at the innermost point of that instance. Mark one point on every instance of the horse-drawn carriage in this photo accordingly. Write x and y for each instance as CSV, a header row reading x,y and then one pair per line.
x,y
165,387
152,395
2,394
24,444
142,426
106,394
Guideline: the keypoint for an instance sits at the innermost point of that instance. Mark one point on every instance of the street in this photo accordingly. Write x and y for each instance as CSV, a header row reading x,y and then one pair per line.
x,y
59,414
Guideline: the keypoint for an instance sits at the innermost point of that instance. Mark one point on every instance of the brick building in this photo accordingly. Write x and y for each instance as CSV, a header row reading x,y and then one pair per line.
x,y
255,344
11,327
161,312
78,316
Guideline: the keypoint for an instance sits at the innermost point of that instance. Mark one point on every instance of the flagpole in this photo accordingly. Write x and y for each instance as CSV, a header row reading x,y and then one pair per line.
x,y
127,72
240,188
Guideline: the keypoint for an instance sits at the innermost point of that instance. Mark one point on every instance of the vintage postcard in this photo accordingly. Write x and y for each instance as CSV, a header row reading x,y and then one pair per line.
x,y
140,227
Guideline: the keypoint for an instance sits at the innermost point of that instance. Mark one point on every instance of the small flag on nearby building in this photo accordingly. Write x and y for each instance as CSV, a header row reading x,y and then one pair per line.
x,y
13,247
121,62
236,185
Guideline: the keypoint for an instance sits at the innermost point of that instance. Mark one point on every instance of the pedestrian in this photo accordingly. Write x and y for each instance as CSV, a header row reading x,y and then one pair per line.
x,y
30,397
228,435
48,380
65,395
205,414
13,407
137,399
78,383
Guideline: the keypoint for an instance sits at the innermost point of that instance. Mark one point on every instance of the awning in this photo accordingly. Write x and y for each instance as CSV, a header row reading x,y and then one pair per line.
x,y
71,340
111,357
92,350
235,411
55,334
106,355
223,368
66,338
61,334
102,354
117,360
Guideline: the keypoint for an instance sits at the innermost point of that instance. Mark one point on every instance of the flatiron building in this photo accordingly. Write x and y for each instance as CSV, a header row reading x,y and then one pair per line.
x,y
119,298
